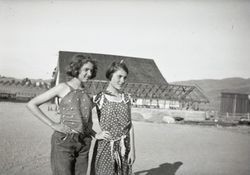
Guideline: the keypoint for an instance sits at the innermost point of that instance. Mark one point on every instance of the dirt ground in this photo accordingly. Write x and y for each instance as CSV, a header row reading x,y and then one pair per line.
x,y
161,149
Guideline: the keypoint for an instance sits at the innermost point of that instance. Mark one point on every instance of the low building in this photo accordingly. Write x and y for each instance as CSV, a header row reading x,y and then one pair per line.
x,y
234,103
20,90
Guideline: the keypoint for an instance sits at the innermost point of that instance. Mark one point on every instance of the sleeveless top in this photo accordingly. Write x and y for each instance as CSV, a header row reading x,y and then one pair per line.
x,y
75,109
114,116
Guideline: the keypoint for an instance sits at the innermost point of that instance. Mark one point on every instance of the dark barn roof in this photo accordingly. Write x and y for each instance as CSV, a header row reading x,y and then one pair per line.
x,y
141,70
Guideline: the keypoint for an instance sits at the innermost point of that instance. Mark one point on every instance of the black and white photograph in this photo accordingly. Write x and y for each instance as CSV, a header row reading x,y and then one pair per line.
x,y
124,87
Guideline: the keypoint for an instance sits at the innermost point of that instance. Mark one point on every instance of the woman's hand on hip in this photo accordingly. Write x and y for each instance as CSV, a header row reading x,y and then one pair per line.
x,y
61,128
103,135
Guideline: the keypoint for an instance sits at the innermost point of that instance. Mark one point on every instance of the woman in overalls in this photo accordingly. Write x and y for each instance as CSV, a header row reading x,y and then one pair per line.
x,y
71,139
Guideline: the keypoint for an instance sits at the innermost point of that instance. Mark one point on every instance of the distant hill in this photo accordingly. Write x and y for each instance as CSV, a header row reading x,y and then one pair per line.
x,y
212,88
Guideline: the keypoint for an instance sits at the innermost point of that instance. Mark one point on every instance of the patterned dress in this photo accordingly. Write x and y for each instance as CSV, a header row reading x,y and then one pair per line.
x,y
112,155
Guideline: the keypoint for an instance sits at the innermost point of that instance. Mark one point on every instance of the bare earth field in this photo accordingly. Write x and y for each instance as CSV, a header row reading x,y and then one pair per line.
x,y
161,149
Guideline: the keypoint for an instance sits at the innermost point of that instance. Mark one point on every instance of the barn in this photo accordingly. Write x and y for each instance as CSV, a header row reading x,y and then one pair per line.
x,y
145,82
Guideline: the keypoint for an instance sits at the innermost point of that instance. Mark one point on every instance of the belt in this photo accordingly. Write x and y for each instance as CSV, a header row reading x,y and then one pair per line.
x,y
115,156
75,134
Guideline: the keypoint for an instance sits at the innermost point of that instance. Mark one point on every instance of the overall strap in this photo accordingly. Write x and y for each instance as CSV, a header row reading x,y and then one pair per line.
x,y
58,99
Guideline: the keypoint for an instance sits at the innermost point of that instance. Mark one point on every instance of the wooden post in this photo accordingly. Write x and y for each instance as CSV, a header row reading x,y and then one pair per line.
x,y
234,104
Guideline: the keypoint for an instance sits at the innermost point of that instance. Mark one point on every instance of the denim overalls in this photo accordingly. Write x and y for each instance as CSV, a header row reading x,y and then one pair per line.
x,y
69,151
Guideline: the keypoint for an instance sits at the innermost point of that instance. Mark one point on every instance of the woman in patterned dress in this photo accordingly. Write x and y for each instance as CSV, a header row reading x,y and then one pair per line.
x,y
115,153
70,142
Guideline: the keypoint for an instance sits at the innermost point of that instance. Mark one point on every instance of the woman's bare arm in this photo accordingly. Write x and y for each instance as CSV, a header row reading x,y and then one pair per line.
x,y
131,156
33,105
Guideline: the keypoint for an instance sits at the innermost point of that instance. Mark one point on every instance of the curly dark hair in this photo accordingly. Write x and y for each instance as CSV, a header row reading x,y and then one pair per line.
x,y
114,67
78,60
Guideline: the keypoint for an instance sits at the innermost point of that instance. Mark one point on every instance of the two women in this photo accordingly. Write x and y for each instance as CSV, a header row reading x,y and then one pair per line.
x,y
72,137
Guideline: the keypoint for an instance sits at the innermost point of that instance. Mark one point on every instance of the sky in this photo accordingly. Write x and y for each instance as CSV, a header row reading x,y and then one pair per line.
x,y
188,39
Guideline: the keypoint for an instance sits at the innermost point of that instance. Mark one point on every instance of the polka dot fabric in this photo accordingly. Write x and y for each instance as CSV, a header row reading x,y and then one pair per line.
x,y
75,109
113,117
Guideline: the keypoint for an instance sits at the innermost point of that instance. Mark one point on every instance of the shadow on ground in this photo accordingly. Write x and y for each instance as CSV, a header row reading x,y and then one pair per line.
x,y
163,169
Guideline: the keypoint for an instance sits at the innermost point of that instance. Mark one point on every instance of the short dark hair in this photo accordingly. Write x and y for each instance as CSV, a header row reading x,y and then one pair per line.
x,y
115,66
78,60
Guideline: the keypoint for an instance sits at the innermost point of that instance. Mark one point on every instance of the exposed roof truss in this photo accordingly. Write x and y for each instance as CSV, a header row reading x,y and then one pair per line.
x,y
155,91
